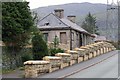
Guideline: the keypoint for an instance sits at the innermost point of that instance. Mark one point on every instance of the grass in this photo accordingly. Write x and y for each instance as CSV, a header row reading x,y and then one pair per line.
x,y
7,71
21,68
4,71
17,72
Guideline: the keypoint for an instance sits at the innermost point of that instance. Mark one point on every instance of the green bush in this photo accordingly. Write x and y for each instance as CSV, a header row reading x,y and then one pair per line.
x,y
26,54
39,47
53,51
26,57
56,42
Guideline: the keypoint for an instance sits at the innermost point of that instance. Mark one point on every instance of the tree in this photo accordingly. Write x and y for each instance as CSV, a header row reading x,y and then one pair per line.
x,y
56,42
36,18
90,24
17,24
39,46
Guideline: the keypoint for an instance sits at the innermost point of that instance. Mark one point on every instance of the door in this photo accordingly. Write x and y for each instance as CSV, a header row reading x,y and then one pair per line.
x,y
78,40
81,41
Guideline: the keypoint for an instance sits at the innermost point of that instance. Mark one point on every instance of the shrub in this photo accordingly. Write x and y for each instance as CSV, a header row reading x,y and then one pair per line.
x,y
26,57
39,47
26,54
53,51
56,42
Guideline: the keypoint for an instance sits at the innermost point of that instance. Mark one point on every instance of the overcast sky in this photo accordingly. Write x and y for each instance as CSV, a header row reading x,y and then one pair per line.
x,y
41,3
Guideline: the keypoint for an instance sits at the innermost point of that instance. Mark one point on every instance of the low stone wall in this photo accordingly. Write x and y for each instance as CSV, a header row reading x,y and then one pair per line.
x,y
90,55
81,53
55,62
33,68
80,59
75,56
66,59
70,57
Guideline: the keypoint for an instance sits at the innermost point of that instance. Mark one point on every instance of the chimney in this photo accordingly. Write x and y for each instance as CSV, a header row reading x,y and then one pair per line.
x,y
59,13
71,18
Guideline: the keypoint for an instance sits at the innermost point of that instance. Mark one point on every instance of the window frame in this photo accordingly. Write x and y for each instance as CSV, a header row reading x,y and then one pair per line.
x,y
66,38
44,36
72,33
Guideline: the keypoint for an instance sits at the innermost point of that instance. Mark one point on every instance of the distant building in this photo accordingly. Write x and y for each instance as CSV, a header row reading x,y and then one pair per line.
x,y
68,32
100,38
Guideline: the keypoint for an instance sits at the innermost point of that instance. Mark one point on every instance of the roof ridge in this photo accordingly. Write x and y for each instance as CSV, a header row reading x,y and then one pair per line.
x,y
61,20
45,17
78,26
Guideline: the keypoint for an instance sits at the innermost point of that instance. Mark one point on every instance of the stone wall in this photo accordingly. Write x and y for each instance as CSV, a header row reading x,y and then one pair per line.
x,y
12,61
76,56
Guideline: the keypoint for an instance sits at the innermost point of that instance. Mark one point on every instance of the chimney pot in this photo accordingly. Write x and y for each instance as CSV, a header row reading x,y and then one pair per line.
x,y
71,18
59,13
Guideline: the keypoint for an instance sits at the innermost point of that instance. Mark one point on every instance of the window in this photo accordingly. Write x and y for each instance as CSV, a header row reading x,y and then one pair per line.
x,y
77,36
63,38
46,24
82,39
72,36
45,36
60,23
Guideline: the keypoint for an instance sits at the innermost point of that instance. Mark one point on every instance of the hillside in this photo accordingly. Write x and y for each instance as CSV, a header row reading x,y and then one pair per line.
x,y
74,8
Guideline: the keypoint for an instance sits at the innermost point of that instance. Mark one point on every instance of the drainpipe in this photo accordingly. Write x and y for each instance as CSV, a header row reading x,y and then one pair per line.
x,y
70,39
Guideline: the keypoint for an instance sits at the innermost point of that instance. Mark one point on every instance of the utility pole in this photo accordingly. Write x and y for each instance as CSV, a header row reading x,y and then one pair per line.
x,y
118,20
112,20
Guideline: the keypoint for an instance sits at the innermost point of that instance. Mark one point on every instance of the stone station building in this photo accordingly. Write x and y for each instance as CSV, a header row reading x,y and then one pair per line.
x,y
70,34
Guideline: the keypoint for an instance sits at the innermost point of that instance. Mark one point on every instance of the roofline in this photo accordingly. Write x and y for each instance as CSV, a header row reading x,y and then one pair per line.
x,y
71,16
59,28
44,17
64,28
83,32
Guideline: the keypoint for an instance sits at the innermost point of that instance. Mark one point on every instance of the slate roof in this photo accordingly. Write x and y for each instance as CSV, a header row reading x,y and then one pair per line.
x,y
100,38
66,24
73,25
